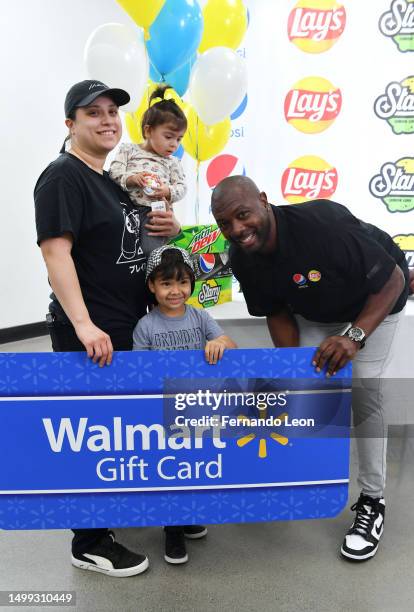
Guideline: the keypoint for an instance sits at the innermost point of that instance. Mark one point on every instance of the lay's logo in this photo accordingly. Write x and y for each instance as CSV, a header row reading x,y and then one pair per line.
x,y
308,178
315,25
312,105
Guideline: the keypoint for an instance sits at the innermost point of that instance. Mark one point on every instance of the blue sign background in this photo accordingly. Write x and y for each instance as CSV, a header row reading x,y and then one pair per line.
x,y
136,373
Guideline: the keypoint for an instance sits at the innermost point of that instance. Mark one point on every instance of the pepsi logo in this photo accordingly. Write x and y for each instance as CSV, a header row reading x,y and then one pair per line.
x,y
207,261
240,109
223,166
299,279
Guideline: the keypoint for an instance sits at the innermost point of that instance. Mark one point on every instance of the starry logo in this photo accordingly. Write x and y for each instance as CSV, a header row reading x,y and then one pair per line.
x,y
394,185
398,24
396,106
209,293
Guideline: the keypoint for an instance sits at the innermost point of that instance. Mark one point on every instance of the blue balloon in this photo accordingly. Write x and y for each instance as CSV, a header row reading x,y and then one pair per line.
x,y
178,79
154,75
179,152
175,35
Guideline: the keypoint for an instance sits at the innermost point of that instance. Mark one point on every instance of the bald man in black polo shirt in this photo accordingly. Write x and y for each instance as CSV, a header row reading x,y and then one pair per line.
x,y
324,278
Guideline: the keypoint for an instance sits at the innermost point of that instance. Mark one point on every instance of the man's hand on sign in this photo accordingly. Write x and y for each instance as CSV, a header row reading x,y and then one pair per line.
x,y
334,352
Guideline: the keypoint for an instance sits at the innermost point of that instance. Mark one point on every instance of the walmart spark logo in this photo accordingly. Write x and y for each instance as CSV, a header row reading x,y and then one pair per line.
x,y
273,435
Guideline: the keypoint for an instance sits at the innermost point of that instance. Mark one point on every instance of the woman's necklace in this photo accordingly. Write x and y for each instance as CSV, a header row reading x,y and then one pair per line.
x,y
94,168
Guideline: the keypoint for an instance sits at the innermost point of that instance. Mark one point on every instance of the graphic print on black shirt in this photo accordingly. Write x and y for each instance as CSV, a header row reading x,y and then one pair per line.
x,y
72,198
130,248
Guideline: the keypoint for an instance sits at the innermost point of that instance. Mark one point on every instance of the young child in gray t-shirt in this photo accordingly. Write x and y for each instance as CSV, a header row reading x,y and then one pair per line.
x,y
173,325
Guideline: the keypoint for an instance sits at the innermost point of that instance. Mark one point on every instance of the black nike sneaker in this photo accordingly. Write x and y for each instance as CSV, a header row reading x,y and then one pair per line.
x,y
361,541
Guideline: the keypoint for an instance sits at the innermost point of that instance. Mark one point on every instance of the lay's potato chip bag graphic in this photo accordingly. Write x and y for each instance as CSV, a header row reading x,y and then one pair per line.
x,y
315,25
406,244
394,185
398,24
396,106
312,105
308,178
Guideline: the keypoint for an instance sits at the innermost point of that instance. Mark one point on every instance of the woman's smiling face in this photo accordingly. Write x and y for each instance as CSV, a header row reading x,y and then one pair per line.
x,y
97,128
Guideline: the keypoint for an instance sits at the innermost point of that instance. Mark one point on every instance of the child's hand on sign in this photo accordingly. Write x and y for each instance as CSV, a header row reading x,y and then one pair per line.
x,y
214,349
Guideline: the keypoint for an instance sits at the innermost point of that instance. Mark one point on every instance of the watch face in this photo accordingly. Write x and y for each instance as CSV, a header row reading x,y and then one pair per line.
x,y
356,333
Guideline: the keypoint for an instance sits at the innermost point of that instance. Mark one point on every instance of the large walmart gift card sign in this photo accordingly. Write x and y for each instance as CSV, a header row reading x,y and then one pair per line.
x,y
163,438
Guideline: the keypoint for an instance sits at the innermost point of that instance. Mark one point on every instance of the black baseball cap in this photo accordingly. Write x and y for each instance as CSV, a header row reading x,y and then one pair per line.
x,y
85,92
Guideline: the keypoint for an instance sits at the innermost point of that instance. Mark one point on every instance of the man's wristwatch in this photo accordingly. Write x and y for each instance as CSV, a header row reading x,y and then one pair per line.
x,y
356,334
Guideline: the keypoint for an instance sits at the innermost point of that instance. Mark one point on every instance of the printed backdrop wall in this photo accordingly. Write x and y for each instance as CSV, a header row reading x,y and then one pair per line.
x,y
329,111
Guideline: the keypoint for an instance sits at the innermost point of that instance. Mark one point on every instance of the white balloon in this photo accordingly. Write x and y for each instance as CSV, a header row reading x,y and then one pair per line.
x,y
218,84
116,54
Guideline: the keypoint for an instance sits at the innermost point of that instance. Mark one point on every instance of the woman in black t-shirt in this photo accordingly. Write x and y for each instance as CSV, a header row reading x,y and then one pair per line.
x,y
88,232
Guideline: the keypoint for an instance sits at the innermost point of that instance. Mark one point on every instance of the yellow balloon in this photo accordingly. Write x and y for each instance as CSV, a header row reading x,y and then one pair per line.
x,y
225,23
133,120
143,12
133,128
203,141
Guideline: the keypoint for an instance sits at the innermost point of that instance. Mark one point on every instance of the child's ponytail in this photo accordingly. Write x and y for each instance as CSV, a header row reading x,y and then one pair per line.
x,y
163,109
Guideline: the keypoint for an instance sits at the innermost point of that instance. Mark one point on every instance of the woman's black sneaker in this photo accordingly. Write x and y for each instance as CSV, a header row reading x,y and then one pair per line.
x,y
175,551
194,532
110,558
361,541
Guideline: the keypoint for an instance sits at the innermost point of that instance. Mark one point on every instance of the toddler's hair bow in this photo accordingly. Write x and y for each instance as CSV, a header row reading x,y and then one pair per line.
x,y
155,101
167,96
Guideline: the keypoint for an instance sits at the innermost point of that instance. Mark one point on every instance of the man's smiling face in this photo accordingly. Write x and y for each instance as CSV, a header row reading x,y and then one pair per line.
x,y
244,218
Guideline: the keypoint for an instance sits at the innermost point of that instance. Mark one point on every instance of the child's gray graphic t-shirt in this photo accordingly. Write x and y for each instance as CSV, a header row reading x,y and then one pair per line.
x,y
156,331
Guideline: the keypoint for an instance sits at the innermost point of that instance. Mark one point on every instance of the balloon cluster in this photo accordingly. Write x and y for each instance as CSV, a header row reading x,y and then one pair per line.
x,y
190,49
